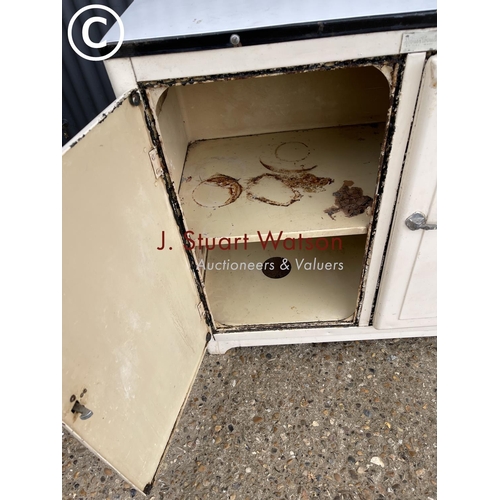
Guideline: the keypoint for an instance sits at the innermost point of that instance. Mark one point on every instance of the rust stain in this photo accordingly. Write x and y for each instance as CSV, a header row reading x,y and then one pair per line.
x,y
350,200
328,66
291,152
286,170
302,155
223,181
295,195
294,183
308,182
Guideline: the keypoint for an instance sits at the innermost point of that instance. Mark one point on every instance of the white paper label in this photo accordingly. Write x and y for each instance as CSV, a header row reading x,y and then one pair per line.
x,y
419,41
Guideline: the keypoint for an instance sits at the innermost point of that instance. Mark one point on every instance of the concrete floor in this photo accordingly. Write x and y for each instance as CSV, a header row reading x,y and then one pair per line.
x,y
343,421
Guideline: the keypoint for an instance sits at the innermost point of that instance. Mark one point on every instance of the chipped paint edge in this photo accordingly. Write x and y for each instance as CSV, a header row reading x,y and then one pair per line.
x,y
98,119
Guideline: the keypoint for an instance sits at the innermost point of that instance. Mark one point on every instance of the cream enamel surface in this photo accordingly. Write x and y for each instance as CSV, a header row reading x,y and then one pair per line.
x,y
121,74
132,334
339,153
283,102
173,131
260,57
249,297
266,104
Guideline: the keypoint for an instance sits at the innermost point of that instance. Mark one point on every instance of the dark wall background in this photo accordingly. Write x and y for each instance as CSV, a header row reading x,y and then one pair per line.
x,y
86,87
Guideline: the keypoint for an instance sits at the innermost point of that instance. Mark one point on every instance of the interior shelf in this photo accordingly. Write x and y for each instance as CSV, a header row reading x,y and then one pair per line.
x,y
315,292
282,182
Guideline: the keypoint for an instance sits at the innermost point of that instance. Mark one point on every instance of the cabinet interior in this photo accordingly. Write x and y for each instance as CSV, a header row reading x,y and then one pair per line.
x,y
293,155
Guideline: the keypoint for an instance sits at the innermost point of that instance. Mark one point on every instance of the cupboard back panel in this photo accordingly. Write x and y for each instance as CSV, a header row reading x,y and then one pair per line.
x,y
295,101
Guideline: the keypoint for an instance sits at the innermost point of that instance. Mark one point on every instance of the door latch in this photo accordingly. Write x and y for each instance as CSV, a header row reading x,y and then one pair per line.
x,y
417,220
84,412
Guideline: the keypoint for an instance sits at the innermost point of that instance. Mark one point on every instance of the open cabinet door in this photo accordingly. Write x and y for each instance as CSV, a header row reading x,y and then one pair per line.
x,y
133,338
408,288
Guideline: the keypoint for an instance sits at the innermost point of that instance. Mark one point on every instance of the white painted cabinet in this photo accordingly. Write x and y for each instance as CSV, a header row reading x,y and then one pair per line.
x,y
408,290
303,141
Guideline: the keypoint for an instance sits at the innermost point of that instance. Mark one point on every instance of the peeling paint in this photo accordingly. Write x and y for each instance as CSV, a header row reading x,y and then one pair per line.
x,y
376,61
341,323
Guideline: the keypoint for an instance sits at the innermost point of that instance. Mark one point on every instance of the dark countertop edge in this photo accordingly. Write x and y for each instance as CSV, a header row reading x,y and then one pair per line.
x,y
276,34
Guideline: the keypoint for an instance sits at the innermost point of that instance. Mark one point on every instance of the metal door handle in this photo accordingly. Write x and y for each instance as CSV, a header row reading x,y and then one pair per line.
x,y
417,220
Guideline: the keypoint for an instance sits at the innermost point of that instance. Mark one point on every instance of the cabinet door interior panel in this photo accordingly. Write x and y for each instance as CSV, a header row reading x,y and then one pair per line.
x,y
132,335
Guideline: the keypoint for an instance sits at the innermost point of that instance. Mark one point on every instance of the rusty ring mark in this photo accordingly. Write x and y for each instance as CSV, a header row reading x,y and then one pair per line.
x,y
286,170
292,142
297,160
223,181
255,180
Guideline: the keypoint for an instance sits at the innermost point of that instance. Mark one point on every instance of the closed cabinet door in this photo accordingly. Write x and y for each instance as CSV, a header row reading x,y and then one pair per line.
x,y
408,291
133,337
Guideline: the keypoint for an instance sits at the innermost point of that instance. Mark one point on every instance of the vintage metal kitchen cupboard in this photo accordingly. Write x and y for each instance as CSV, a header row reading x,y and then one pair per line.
x,y
320,134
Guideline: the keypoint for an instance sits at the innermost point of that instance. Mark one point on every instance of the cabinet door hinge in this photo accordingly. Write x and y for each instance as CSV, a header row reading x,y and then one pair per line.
x,y
155,163
201,310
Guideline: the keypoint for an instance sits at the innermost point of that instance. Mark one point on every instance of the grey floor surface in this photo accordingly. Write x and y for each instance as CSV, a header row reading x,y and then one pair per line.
x,y
343,421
